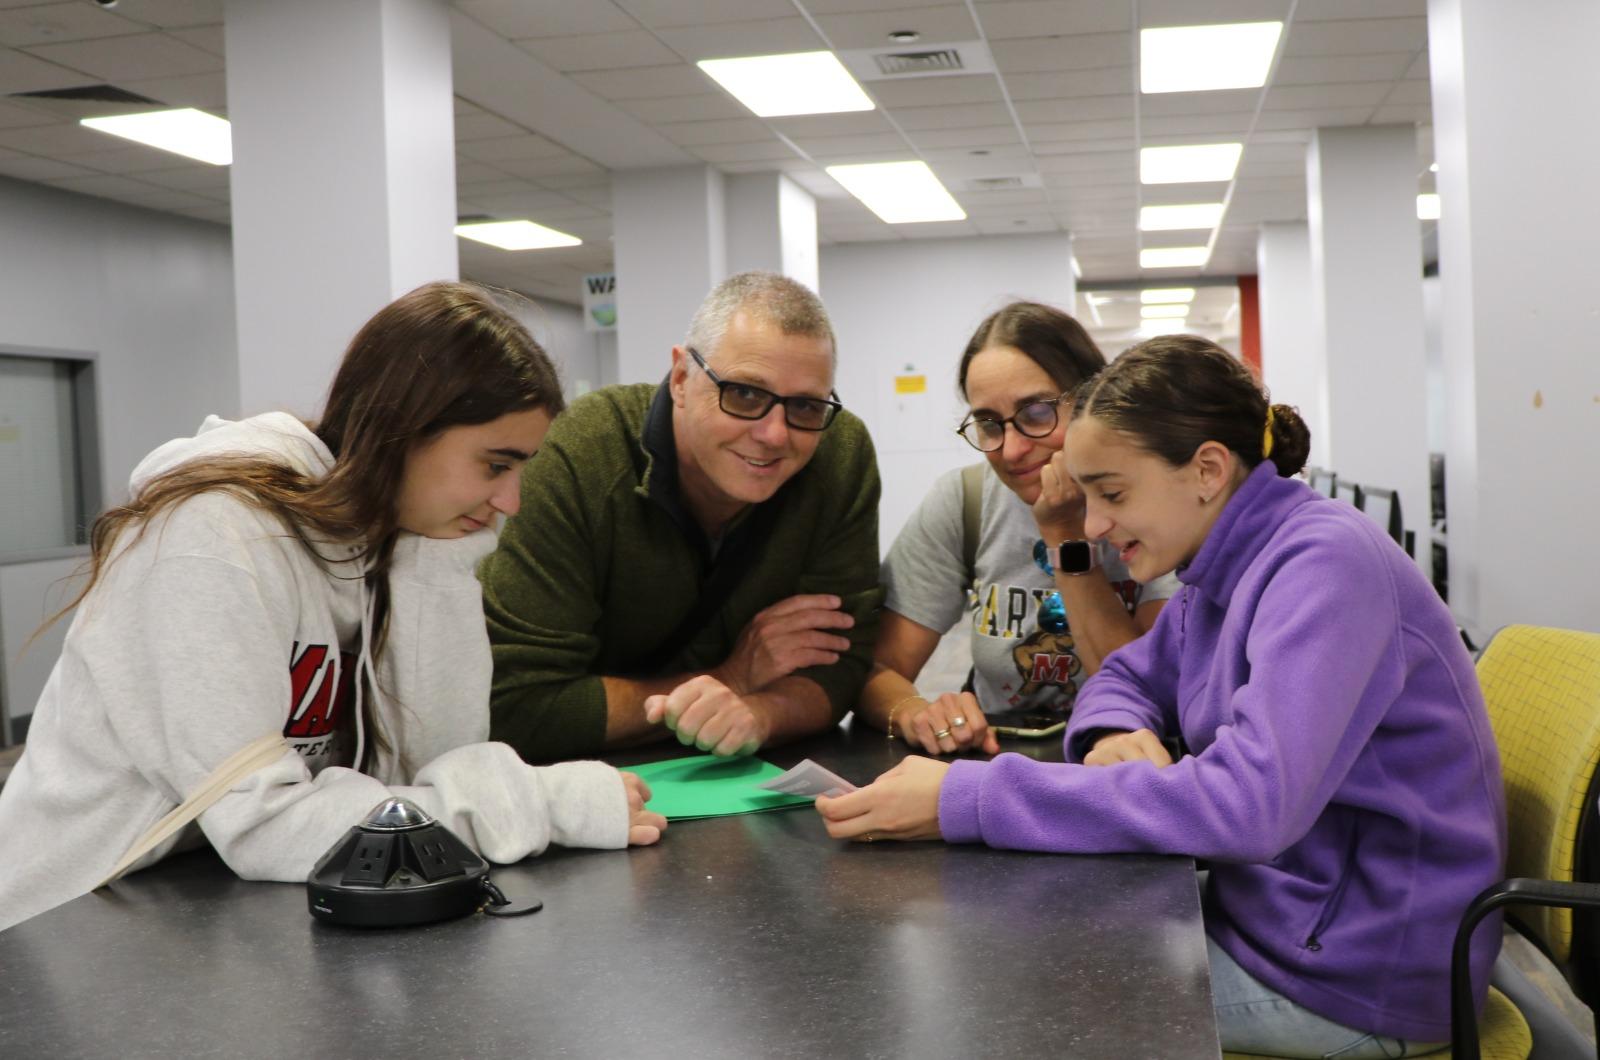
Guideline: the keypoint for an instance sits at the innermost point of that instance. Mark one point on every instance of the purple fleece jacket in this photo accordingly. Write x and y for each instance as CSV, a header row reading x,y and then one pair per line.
x,y
1344,777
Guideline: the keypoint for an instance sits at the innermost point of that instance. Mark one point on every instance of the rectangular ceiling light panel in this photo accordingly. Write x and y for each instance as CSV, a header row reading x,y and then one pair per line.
x,y
1172,257
1164,312
1207,58
776,86
899,192
1189,164
185,131
1171,218
516,235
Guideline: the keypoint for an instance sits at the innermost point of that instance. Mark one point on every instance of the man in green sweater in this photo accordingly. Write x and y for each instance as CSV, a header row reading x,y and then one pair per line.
x,y
697,558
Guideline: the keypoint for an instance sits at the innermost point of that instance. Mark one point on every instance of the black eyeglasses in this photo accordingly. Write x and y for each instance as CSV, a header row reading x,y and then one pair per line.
x,y
753,403
1033,420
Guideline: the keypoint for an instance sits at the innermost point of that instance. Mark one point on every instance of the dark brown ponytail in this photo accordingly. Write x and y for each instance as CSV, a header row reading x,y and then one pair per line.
x,y
1173,393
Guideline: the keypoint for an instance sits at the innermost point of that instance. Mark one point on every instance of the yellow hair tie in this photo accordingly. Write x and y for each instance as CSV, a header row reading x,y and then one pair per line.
x,y
1266,436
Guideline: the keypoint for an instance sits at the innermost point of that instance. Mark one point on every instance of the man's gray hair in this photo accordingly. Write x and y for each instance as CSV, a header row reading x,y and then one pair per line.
x,y
772,298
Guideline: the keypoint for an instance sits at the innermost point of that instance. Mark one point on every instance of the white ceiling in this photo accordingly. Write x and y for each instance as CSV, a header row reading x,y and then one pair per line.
x,y
553,94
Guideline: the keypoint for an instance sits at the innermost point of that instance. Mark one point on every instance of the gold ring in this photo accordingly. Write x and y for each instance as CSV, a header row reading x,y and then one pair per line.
x,y
867,838
956,723
941,734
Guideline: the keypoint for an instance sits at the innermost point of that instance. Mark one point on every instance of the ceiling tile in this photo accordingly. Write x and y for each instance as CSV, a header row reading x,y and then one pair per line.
x,y
1357,36
1410,92
1016,225
771,36
890,146
1054,54
600,51
40,169
62,140
524,146
525,203
751,152
470,172
172,14
1070,147
871,29
1313,119
125,58
1122,163
1333,69
708,106
1176,194
1038,18
517,19
937,229
856,124
978,136
206,38
1087,108
197,178
548,171
660,14
729,131
1190,13
1193,128
963,116
650,82
21,72
1105,81
1418,70
1310,97
1170,104
1399,115
1323,10
15,115
57,23
485,127
936,91
136,158
208,92
1078,130
100,184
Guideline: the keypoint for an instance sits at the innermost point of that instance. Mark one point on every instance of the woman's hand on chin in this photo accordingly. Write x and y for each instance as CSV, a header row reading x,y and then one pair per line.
x,y
1059,509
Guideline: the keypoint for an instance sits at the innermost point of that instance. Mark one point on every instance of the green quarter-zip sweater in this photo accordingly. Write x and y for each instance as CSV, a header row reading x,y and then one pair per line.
x,y
602,565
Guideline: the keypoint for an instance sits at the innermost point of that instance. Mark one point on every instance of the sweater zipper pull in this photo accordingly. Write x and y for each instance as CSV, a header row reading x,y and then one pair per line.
x,y
1313,945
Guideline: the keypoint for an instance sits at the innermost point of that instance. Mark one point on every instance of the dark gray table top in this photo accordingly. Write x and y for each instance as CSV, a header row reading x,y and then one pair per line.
x,y
736,937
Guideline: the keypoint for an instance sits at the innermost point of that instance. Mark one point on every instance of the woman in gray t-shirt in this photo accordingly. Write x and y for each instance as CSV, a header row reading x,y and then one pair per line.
x,y
1044,605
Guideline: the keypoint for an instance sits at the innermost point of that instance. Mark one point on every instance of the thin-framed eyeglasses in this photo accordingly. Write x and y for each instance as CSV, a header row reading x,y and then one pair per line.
x,y
747,402
1036,419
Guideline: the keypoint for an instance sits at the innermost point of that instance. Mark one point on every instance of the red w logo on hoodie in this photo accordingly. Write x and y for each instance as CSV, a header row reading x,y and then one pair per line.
x,y
316,707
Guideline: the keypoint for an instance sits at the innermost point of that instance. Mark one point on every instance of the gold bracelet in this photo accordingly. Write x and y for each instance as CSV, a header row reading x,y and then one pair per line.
x,y
896,705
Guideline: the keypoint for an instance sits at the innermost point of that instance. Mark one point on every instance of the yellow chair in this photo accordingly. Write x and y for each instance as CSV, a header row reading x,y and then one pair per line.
x,y
1542,687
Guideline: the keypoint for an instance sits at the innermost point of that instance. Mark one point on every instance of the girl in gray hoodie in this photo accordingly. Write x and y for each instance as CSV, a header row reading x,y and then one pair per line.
x,y
315,581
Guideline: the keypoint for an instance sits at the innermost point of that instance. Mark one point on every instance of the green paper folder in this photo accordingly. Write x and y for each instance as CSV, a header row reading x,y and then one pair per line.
x,y
682,789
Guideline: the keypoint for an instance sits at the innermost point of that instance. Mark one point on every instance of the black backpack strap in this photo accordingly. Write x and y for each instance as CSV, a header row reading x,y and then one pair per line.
x,y
971,518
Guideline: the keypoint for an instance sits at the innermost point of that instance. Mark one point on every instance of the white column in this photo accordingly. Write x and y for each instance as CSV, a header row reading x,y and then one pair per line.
x,y
1366,268
1291,344
343,182
1518,225
772,224
670,250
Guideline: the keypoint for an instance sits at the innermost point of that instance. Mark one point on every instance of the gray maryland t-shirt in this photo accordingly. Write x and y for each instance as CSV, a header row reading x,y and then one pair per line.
x,y
1016,664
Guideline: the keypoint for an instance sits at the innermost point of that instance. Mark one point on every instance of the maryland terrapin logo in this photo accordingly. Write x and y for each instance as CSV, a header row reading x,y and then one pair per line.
x,y
1048,659
322,688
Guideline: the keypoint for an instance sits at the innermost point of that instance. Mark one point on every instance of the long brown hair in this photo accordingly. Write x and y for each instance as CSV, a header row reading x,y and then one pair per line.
x,y
1173,393
445,355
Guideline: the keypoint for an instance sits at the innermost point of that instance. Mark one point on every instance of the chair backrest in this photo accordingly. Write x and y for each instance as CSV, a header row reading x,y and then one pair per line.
x,y
1347,491
1383,507
1321,481
1542,687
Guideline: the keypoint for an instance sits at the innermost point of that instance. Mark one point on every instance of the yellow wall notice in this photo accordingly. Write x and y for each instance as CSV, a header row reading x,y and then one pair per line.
x,y
910,384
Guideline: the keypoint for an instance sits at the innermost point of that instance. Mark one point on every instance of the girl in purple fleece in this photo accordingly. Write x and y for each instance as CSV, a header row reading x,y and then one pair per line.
x,y
1344,780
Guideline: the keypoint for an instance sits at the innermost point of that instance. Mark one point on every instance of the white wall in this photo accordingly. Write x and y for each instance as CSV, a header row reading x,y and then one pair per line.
x,y
151,295
907,309
558,327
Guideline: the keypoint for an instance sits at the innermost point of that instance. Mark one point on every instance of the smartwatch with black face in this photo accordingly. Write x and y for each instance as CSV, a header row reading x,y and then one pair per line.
x,y
1072,557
